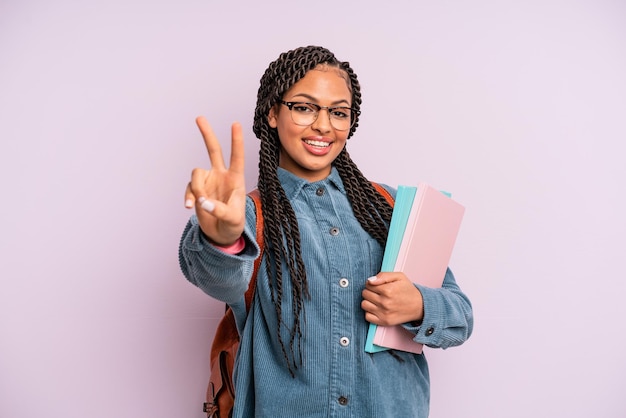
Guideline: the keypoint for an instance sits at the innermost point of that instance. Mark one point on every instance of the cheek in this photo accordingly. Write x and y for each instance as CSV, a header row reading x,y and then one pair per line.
x,y
342,136
289,131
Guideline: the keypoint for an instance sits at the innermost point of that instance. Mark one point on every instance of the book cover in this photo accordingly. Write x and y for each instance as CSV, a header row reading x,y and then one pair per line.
x,y
424,227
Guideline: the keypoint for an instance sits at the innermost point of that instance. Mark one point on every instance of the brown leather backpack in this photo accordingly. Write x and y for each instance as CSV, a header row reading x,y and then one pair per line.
x,y
220,392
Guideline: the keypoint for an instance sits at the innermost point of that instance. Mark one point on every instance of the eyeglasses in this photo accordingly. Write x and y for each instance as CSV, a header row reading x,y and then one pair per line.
x,y
304,114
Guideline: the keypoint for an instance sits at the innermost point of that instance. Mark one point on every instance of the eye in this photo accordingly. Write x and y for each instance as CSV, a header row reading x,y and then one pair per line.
x,y
340,112
303,108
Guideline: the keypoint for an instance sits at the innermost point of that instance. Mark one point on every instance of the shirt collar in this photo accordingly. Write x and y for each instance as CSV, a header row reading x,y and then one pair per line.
x,y
293,184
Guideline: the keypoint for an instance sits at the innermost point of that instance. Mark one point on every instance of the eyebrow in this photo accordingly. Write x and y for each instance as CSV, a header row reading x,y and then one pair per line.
x,y
314,100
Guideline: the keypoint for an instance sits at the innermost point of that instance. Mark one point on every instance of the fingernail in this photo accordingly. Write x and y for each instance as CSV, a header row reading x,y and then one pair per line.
x,y
372,279
208,205
188,203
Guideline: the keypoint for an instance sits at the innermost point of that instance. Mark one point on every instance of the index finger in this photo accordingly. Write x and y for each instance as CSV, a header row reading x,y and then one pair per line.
x,y
210,141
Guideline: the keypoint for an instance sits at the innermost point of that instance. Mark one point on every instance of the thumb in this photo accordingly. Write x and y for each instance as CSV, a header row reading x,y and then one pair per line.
x,y
376,281
382,278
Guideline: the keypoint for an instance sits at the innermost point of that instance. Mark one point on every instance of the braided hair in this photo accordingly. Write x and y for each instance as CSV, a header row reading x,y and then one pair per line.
x,y
281,234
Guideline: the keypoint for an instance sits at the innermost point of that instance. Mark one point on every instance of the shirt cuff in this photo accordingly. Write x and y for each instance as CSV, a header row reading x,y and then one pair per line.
x,y
235,248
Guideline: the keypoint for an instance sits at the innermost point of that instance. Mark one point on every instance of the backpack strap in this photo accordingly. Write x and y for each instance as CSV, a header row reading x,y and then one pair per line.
x,y
380,189
256,198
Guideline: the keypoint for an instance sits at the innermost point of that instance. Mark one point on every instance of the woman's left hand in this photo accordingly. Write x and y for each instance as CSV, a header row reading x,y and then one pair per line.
x,y
392,299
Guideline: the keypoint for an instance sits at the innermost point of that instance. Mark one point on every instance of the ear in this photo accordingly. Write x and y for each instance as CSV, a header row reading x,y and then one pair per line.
x,y
272,117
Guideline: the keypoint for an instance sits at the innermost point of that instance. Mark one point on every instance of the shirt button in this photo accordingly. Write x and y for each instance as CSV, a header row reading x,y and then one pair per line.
x,y
334,231
430,331
342,400
344,282
320,191
344,341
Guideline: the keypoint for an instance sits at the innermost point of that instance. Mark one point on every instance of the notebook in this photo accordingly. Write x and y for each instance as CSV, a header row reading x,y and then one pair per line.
x,y
423,230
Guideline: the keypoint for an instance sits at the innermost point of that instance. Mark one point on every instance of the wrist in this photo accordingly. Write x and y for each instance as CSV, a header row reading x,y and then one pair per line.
x,y
234,248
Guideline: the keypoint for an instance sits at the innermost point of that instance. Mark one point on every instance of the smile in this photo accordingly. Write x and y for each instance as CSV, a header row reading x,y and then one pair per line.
x,y
314,143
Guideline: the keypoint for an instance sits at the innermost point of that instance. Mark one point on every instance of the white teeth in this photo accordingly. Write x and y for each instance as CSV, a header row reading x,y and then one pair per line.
x,y
317,143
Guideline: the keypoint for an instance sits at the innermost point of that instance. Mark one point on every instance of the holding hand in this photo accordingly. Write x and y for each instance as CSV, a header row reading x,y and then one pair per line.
x,y
392,299
219,193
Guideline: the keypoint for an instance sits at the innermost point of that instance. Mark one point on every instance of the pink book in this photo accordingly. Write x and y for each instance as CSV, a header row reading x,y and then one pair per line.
x,y
425,250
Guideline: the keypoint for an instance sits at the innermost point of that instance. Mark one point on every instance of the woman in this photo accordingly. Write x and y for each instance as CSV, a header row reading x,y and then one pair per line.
x,y
302,343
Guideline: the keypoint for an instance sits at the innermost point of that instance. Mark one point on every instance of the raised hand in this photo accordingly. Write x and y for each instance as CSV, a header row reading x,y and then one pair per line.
x,y
219,193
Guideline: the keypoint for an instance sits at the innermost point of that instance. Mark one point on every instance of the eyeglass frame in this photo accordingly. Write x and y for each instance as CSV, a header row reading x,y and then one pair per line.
x,y
328,109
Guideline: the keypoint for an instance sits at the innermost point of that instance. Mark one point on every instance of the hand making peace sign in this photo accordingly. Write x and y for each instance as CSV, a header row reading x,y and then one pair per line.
x,y
219,193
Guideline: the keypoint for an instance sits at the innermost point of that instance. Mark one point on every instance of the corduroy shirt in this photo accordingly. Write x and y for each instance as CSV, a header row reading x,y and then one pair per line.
x,y
337,377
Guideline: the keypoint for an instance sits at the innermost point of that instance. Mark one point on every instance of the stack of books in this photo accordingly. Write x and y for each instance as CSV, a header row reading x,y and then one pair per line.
x,y
424,226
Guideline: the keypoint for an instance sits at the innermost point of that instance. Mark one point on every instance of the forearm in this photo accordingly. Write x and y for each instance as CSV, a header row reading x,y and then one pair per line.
x,y
219,274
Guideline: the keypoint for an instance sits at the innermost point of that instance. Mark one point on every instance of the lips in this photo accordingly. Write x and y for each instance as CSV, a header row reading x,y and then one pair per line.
x,y
317,146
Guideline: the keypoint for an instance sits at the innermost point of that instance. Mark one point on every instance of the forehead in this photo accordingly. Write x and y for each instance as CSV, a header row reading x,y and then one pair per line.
x,y
324,82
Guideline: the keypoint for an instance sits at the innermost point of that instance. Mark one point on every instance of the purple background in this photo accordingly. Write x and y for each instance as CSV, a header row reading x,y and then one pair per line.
x,y
517,108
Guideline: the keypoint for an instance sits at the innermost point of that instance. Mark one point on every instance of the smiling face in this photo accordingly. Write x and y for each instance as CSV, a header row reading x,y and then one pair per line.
x,y
308,151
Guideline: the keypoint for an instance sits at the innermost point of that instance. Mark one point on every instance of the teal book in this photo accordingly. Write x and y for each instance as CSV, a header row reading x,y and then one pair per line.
x,y
399,218
424,225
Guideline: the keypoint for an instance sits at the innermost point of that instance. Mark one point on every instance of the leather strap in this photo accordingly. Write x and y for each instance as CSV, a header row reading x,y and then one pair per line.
x,y
384,193
256,198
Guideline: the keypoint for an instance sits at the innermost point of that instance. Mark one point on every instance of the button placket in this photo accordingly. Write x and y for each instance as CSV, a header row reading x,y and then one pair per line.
x,y
342,297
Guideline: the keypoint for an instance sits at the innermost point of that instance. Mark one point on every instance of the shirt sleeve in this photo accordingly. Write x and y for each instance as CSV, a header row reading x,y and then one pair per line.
x,y
221,275
448,317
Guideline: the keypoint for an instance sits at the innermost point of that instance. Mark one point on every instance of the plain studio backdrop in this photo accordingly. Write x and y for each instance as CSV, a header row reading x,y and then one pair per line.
x,y
517,108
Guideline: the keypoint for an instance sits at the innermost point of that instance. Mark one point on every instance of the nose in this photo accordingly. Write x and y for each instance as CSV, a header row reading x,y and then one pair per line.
x,y
322,122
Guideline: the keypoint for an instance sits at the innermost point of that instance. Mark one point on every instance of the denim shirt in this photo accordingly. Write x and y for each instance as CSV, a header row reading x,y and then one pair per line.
x,y
337,377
